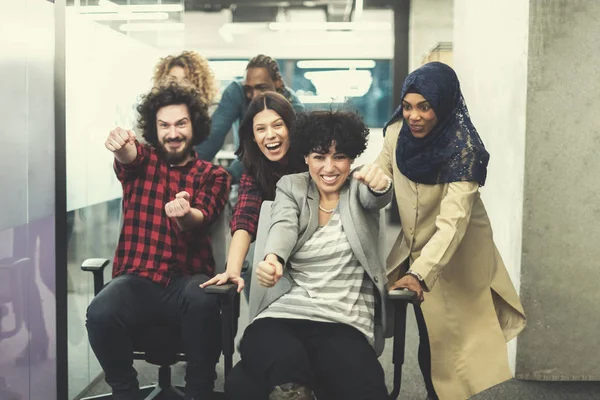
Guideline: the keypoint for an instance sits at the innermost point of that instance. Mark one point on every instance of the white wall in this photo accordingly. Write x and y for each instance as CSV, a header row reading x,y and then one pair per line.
x,y
491,62
27,113
431,22
106,72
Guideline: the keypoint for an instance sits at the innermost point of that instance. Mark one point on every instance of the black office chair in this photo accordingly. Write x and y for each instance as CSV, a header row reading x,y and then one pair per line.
x,y
399,299
163,345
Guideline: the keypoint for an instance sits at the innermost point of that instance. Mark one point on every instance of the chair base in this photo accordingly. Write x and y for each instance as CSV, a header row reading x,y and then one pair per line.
x,y
159,393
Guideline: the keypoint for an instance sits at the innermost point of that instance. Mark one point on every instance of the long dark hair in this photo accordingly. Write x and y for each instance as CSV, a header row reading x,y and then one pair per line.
x,y
267,172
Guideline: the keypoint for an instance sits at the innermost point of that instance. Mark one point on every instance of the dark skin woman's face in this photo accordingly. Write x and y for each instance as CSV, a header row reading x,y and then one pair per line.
x,y
418,114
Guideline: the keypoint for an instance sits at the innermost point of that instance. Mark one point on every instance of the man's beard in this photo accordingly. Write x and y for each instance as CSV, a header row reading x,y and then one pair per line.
x,y
174,157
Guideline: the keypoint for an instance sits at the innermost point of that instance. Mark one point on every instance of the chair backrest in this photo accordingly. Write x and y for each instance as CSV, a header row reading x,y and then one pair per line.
x,y
162,345
220,235
264,222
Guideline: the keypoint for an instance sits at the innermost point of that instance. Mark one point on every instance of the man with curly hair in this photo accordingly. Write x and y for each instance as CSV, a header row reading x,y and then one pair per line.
x,y
262,75
170,197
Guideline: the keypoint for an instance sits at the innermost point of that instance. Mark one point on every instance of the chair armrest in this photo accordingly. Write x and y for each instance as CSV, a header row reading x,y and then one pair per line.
x,y
225,289
94,264
398,295
245,266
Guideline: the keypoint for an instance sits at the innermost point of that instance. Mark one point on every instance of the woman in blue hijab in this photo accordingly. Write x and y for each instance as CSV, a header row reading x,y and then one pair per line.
x,y
445,251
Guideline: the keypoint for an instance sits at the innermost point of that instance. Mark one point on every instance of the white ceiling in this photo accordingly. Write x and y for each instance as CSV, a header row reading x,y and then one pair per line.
x,y
212,35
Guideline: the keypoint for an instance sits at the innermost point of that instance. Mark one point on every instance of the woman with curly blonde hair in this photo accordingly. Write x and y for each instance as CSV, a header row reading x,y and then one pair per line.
x,y
191,67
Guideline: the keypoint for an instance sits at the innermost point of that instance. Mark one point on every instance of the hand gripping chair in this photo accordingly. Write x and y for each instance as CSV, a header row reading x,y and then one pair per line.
x,y
398,299
163,345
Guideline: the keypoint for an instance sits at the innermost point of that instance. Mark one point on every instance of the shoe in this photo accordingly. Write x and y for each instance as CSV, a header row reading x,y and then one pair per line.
x,y
291,391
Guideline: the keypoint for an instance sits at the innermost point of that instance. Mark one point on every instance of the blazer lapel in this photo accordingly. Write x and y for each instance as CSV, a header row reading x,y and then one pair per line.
x,y
350,230
309,216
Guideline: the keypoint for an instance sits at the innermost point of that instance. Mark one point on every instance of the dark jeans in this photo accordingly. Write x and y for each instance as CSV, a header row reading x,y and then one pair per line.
x,y
425,353
129,304
334,360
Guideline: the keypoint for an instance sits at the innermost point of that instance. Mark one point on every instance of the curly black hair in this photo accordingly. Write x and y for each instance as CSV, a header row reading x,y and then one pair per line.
x,y
316,131
173,94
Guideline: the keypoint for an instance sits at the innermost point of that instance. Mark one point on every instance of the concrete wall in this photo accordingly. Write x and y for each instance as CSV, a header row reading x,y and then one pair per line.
x,y
561,216
431,22
491,63
529,73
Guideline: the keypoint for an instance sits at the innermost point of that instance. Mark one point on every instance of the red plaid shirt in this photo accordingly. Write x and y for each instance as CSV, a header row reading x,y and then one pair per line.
x,y
151,244
247,209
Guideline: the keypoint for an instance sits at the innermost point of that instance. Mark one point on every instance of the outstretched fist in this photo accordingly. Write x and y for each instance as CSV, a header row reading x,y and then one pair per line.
x,y
269,271
179,207
373,176
118,138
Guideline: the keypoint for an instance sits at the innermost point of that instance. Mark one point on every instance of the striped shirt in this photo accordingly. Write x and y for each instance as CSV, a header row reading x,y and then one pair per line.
x,y
329,284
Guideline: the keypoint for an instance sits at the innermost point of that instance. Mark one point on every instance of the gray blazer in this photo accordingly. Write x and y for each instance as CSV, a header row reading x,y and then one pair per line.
x,y
295,218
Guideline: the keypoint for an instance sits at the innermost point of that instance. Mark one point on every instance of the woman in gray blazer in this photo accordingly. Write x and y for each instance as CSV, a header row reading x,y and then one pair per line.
x,y
318,329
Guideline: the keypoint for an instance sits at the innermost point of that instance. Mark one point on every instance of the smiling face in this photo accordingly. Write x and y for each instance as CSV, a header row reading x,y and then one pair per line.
x,y
177,74
271,135
329,170
257,82
174,131
418,114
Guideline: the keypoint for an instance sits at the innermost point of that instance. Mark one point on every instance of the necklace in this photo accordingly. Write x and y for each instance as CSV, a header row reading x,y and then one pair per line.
x,y
326,210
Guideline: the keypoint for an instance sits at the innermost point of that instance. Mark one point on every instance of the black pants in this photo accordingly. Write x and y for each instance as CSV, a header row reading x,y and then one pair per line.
x,y
129,304
424,353
334,360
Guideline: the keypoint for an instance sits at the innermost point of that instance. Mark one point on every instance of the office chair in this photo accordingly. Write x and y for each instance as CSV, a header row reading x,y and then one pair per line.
x,y
398,299
163,345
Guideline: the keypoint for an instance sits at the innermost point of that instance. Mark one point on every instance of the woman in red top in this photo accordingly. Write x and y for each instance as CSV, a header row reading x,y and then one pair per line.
x,y
265,152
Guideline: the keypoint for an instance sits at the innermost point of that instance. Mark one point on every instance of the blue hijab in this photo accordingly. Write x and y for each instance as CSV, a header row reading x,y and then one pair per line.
x,y
453,150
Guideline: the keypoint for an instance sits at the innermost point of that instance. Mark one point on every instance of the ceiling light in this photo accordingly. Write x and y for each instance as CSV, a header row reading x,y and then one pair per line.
x,y
330,26
149,26
129,8
339,64
160,16
358,10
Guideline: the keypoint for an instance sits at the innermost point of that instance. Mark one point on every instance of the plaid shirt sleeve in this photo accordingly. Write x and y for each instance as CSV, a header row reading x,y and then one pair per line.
x,y
210,199
247,209
127,172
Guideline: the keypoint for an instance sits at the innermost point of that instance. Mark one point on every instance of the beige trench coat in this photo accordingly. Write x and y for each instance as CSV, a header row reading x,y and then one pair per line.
x,y
472,308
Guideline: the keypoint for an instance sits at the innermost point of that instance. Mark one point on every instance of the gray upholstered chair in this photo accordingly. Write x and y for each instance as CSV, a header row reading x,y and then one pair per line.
x,y
398,300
